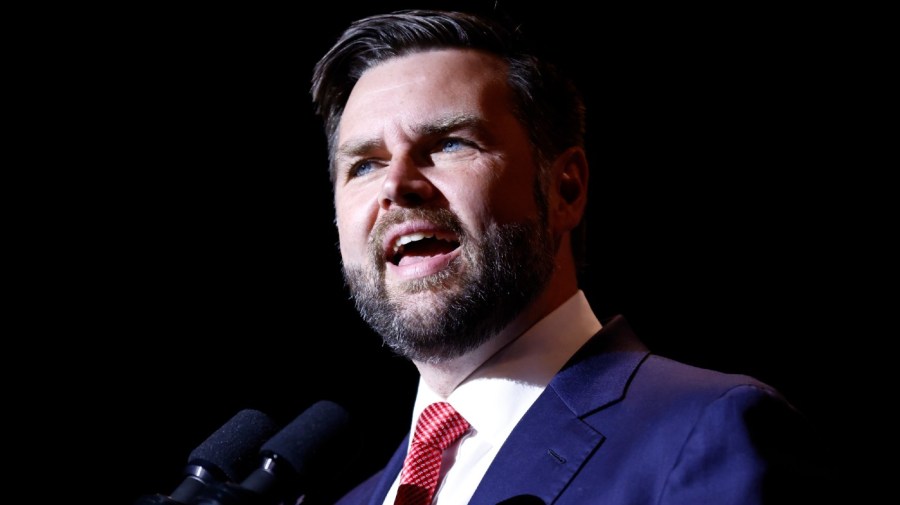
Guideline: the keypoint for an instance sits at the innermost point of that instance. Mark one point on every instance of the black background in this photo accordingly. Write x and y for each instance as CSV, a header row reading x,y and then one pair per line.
x,y
195,267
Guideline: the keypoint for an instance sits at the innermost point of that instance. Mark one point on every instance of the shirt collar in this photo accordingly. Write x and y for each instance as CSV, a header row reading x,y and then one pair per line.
x,y
497,394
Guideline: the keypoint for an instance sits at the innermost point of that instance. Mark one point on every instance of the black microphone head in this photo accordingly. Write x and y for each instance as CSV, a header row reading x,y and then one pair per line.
x,y
316,443
234,448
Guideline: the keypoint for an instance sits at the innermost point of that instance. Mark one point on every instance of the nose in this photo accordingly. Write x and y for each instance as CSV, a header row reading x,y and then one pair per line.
x,y
405,184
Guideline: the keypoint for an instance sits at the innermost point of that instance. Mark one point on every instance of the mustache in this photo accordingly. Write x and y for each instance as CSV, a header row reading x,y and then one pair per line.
x,y
443,218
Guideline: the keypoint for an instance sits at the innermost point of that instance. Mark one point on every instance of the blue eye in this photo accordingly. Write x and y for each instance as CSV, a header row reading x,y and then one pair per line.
x,y
362,168
451,145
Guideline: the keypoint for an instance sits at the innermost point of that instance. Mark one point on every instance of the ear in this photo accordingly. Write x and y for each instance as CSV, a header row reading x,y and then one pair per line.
x,y
568,189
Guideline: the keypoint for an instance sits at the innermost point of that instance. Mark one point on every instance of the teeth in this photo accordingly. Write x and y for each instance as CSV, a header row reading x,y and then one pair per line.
x,y
409,238
413,237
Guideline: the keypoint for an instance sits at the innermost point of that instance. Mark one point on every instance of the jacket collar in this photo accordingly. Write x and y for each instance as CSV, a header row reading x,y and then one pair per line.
x,y
552,436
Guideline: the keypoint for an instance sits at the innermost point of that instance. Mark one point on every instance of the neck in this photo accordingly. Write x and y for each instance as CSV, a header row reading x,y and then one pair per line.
x,y
443,378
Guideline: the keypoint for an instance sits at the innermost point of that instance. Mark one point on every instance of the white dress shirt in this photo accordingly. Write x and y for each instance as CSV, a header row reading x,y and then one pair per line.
x,y
494,397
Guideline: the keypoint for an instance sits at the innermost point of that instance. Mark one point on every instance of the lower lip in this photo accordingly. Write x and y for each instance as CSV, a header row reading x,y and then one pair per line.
x,y
424,268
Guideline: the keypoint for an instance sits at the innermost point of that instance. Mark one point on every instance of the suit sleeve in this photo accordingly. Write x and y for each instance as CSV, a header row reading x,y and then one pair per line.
x,y
748,447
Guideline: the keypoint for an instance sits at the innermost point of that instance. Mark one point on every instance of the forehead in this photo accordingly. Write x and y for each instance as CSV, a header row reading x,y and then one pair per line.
x,y
465,64
409,87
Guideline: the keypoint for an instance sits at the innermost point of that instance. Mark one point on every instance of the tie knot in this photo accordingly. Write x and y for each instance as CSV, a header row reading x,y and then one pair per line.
x,y
439,425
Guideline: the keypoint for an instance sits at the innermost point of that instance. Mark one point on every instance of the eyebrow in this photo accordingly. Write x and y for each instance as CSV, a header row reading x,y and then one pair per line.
x,y
440,126
448,124
354,148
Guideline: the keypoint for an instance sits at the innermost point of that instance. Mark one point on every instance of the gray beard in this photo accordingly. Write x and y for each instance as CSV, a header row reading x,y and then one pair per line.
x,y
474,298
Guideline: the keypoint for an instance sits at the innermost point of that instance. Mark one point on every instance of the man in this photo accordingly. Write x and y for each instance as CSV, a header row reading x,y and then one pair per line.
x,y
460,183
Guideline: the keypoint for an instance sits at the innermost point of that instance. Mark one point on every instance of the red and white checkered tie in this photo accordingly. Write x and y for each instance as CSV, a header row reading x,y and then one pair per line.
x,y
438,426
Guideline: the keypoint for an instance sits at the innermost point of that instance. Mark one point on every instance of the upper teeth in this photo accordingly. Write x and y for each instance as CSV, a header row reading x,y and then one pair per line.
x,y
413,237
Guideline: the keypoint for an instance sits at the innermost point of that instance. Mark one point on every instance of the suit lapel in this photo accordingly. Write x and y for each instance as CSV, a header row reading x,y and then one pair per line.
x,y
552,441
540,456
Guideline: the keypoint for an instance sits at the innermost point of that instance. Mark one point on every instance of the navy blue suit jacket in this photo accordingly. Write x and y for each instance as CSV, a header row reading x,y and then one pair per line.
x,y
619,425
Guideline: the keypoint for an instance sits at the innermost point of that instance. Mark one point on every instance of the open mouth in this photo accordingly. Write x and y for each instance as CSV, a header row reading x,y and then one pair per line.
x,y
416,247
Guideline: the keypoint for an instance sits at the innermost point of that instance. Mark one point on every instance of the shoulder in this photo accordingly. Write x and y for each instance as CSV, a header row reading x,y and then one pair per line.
x,y
670,377
615,369
674,399
666,387
735,430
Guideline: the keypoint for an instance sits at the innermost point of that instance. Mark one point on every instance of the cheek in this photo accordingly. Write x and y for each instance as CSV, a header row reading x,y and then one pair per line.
x,y
351,221
477,209
513,192
502,199
345,239
490,194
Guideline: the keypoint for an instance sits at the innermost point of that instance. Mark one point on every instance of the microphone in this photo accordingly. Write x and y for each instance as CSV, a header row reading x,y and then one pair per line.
x,y
294,461
227,454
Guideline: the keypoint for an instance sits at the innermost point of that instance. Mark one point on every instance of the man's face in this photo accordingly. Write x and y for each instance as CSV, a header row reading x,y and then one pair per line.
x,y
442,233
